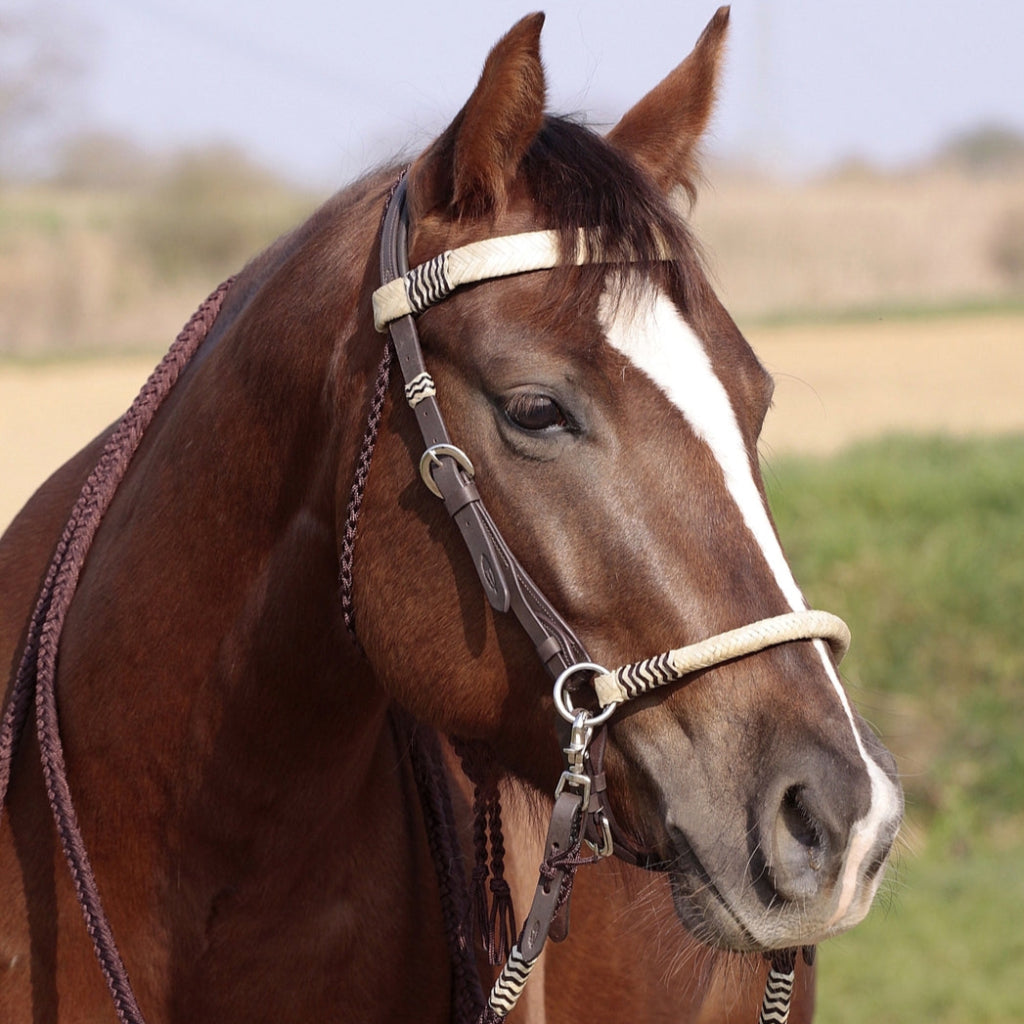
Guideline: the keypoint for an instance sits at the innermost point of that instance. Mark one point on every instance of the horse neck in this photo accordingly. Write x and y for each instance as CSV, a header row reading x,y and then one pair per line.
x,y
224,531
209,690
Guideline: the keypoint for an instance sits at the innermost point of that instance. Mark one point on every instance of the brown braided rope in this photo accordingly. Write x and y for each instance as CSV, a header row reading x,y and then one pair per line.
x,y
439,818
494,917
355,501
38,668
427,763
37,673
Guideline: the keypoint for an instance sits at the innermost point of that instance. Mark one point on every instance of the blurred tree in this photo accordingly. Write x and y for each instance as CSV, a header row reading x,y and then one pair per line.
x,y
987,149
1007,248
211,210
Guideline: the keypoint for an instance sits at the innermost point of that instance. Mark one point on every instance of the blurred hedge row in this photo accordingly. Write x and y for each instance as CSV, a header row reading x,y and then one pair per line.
x,y
115,250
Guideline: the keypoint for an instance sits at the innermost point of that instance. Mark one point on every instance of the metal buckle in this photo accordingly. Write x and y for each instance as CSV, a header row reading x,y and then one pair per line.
x,y
563,704
431,458
605,846
581,783
575,774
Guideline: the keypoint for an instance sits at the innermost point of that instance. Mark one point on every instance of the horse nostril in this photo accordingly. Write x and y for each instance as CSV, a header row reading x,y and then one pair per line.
x,y
799,848
880,857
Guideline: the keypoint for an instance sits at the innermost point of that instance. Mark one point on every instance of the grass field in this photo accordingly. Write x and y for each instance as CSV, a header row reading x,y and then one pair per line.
x,y
917,543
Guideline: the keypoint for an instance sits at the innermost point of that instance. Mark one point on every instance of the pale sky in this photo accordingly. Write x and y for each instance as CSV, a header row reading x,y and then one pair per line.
x,y
321,89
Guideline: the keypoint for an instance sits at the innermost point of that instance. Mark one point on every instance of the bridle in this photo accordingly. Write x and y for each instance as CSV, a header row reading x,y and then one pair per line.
x,y
581,808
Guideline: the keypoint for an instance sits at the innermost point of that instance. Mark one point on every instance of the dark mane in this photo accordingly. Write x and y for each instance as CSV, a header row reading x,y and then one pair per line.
x,y
578,180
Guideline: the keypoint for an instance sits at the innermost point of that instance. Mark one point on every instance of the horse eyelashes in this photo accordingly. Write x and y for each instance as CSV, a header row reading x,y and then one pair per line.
x,y
535,412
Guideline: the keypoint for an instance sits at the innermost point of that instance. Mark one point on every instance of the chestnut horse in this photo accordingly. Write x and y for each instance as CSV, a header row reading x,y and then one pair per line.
x,y
236,753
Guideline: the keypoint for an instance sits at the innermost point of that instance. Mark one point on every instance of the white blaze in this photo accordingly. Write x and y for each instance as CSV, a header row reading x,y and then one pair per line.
x,y
652,334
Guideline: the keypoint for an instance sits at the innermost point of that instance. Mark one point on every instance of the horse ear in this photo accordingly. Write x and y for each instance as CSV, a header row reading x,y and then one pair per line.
x,y
468,170
662,131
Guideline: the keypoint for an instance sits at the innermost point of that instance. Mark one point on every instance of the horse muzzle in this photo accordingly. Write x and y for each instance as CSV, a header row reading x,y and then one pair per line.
x,y
806,866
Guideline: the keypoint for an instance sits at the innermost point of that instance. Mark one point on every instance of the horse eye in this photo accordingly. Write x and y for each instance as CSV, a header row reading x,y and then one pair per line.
x,y
535,412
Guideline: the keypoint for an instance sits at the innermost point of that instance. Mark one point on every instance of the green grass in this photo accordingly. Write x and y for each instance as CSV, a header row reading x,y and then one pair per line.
x,y
919,544
948,948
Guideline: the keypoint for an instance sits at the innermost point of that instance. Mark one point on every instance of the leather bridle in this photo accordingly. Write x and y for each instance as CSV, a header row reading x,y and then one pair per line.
x,y
581,808
448,472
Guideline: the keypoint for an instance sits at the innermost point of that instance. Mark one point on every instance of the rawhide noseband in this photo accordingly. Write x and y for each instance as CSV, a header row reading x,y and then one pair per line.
x,y
581,811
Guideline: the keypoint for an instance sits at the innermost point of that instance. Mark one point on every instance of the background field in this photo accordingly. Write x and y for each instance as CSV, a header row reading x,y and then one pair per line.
x,y
916,542
960,374
891,311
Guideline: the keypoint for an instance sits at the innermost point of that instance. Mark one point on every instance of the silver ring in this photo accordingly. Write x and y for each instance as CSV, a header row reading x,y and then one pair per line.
x,y
431,457
563,705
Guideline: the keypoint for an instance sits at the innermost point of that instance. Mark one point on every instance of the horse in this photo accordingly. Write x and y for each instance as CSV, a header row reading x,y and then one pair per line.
x,y
245,731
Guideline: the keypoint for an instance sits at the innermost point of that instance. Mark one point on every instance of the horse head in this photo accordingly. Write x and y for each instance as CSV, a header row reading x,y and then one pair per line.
x,y
612,412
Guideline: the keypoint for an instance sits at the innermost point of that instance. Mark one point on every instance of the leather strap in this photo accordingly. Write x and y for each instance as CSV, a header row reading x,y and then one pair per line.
x,y
550,901
624,847
506,583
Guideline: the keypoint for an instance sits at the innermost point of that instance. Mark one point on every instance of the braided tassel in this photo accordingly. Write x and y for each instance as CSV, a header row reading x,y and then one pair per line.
x,y
495,917
481,911
502,919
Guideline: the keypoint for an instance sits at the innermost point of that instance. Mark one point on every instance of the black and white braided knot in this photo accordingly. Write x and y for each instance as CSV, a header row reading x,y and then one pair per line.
x,y
420,387
646,675
428,284
777,994
510,983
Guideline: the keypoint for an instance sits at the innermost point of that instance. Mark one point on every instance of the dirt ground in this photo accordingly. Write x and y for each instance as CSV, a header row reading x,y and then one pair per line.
x,y
840,383
835,384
